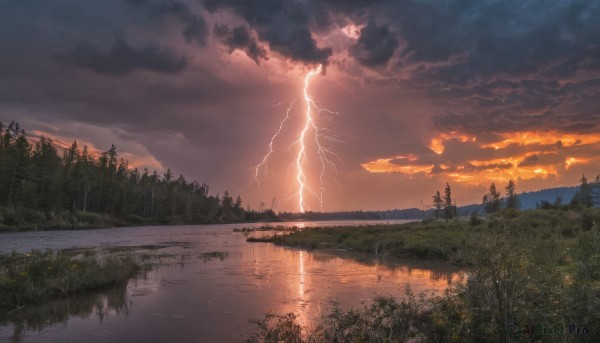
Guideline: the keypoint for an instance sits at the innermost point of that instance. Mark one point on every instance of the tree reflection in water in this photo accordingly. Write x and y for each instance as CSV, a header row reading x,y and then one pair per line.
x,y
36,318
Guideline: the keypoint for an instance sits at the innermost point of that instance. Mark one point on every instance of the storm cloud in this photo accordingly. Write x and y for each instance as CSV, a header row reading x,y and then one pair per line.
x,y
466,87
240,38
194,25
284,25
375,46
123,59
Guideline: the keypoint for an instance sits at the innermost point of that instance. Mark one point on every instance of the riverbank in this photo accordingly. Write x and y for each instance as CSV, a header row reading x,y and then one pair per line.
x,y
24,219
451,241
538,268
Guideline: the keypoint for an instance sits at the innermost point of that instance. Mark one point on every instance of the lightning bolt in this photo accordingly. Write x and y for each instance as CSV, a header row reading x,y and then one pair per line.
x,y
263,163
301,158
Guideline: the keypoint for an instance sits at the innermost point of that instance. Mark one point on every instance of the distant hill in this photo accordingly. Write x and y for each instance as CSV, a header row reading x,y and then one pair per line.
x,y
531,200
527,200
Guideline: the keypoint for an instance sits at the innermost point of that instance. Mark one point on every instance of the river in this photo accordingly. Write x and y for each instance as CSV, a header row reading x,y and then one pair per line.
x,y
192,298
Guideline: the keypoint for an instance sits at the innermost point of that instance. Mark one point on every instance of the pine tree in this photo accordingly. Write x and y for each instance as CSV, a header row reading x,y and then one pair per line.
x,y
437,204
38,178
512,200
491,201
449,210
585,192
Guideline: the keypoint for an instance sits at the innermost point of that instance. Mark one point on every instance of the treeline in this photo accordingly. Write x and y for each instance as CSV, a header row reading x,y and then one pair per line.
x,y
586,195
494,202
45,188
444,205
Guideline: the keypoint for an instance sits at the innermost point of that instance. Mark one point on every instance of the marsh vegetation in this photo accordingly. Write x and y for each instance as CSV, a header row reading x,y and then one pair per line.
x,y
532,276
38,276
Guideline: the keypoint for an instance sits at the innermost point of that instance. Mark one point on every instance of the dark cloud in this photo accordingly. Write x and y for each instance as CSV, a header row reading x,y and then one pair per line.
x,y
284,25
488,63
375,46
194,25
478,67
489,166
498,37
529,161
525,105
437,169
240,38
123,59
542,159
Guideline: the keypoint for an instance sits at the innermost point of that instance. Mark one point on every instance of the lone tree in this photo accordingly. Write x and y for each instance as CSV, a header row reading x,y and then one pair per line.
x,y
438,204
491,201
585,193
512,200
449,208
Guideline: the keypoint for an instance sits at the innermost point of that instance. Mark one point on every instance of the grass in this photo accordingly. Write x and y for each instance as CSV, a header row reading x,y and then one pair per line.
x,y
448,241
526,269
38,276
385,320
263,239
267,228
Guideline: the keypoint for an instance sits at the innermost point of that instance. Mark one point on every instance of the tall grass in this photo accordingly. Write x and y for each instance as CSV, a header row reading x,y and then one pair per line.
x,y
42,275
537,269
448,241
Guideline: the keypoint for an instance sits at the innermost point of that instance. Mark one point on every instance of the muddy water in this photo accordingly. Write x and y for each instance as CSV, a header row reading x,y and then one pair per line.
x,y
192,298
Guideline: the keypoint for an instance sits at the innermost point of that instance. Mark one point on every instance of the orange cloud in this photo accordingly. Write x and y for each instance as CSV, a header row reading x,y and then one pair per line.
x,y
526,138
575,160
502,169
543,162
437,143
386,165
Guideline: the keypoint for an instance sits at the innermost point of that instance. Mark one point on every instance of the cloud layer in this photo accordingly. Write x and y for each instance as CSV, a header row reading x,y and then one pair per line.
x,y
429,91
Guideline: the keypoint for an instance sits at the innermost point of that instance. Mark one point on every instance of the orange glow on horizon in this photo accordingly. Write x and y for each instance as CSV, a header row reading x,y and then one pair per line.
x,y
134,161
476,172
503,170
551,157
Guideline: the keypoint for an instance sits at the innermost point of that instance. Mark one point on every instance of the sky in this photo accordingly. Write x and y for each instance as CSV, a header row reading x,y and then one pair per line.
x,y
413,94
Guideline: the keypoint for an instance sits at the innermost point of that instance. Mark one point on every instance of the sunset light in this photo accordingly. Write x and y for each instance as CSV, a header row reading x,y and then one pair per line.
x,y
557,138
299,171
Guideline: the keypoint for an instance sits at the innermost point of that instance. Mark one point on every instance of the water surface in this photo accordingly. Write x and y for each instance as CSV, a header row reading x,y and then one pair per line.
x,y
191,298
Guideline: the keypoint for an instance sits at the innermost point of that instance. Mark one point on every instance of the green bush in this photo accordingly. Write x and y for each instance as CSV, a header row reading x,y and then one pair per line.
x,y
538,266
